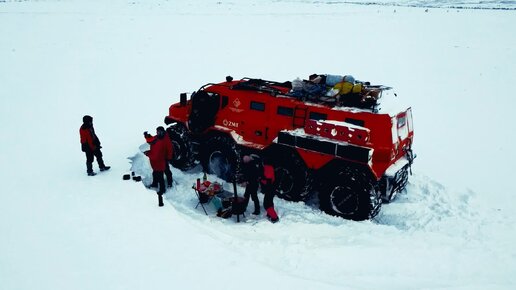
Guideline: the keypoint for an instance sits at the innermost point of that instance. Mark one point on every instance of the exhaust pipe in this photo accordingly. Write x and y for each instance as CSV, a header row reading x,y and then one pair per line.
x,y
182,99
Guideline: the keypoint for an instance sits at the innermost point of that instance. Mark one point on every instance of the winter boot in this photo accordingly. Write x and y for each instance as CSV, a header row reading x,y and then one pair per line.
x,y
89,168
160,200
272,215
100,161
105,168
256,207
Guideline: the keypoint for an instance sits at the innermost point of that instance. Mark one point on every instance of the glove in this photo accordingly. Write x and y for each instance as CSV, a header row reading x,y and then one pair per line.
x,y
146,134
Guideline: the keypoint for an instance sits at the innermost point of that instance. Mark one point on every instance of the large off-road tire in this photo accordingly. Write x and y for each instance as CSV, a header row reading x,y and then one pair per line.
x,y
293,180
221,156
183,155
350,193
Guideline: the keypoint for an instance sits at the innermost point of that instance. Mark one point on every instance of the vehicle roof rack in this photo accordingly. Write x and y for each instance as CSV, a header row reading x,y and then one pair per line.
x,y
261,85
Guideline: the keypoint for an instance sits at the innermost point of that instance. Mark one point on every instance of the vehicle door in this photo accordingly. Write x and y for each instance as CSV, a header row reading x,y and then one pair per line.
x,y
255,123
205,106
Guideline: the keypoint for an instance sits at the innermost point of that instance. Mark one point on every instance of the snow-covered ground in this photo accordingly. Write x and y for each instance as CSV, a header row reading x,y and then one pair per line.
x,y
125,62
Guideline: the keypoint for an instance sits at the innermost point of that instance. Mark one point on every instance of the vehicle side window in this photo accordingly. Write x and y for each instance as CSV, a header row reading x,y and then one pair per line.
x,y
285,111
215,99
360,123
258,106
225,101
317,116
402,128
401,121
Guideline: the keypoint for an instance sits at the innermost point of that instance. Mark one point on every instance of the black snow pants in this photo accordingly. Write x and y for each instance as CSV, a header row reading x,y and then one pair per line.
x,y
168,173
159,180
251,190
90,155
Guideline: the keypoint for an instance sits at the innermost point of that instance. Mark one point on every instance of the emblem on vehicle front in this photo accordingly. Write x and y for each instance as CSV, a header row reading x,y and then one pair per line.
x,y
237,103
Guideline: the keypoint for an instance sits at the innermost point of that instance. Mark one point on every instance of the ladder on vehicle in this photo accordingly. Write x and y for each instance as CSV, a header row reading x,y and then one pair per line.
x,y
299,116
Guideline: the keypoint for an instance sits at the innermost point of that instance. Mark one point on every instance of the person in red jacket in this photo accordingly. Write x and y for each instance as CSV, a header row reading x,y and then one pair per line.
x,y
157,156
91,146
162,136
267,186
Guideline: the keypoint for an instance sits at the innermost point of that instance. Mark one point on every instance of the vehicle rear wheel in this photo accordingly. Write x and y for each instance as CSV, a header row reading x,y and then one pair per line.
x,y
183,155
293,180
351,194
221,156
391,186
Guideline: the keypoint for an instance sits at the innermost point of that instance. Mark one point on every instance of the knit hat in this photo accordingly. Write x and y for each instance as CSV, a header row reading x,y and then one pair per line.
x,y
87,119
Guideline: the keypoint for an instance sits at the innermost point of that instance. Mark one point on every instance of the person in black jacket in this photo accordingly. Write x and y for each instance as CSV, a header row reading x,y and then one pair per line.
x,y
256,173
252,172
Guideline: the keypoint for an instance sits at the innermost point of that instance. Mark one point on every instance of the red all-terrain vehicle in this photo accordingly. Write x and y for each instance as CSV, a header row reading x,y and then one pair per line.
x,y
347,151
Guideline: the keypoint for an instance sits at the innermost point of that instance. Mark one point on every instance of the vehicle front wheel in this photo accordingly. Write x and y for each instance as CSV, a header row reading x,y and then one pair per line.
x,y
183,155
221,156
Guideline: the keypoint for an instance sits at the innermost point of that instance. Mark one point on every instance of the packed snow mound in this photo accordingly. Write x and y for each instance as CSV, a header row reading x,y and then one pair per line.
x,y
425,205
425,210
